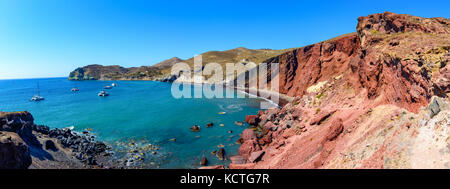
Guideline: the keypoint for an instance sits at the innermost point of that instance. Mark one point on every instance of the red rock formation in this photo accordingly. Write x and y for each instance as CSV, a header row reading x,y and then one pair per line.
x,y
304,67
351,90
252,119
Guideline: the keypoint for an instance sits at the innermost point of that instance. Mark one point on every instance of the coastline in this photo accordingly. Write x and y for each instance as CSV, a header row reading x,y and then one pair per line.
x,y
283,99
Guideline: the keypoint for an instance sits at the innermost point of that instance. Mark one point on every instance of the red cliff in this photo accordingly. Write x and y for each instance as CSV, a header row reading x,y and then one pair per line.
x,y
361,100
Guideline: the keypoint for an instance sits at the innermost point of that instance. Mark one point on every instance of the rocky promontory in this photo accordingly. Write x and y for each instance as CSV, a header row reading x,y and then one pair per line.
x,y
24,144
99,72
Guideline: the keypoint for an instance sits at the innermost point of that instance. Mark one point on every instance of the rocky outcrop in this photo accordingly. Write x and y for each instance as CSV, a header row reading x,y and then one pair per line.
x,y
99,72
22,143
14,153
359,99
17,122
389,23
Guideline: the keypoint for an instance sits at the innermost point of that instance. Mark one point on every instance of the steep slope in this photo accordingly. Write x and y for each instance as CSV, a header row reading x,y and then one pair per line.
x,y
26,145
238,55
364,100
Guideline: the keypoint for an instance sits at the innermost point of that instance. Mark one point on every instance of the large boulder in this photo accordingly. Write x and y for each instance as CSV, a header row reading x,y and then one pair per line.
x,y
17,122
238,160
248,147
14,153
252,119
248,134
256,156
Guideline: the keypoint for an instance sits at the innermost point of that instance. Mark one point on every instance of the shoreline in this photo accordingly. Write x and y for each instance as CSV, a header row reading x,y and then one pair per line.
x,y
283,99
76,133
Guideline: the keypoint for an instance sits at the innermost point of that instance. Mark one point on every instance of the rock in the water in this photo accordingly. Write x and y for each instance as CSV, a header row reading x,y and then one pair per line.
x,y
221,154
195,128
204,161
252,119
14,153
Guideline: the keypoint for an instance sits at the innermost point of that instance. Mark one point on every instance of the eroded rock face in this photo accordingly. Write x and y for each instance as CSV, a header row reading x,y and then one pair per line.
x,y
303,67
17,122
358,97
14,153
20,137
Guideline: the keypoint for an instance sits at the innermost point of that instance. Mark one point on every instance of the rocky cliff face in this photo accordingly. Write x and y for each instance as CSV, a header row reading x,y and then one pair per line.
x,y
14,153
361,100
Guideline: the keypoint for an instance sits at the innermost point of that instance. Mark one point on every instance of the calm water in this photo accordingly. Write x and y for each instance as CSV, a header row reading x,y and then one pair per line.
x,y
135,110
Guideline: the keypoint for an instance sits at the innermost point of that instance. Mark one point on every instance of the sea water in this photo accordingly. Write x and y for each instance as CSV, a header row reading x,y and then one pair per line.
x,y
138,111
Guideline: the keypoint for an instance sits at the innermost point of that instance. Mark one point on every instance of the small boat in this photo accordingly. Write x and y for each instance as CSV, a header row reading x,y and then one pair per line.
x,y
114,84
107,87
103,93
75,89
37,97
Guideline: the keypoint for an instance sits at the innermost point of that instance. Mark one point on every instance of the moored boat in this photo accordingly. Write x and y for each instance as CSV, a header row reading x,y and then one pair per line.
x,y
103,93
37,97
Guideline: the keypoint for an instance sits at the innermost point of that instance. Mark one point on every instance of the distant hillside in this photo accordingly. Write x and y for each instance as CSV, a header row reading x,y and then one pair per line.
x,y
162,69
168,63
236,55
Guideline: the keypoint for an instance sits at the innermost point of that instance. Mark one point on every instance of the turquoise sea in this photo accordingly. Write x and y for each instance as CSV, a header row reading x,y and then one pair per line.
x,y
139,111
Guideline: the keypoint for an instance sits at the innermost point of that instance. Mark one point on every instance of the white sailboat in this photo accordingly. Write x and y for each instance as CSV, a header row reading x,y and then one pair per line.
x,y
103,93
37,97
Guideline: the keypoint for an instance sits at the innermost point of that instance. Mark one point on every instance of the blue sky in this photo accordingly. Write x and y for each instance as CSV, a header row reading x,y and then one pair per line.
x,y
50,38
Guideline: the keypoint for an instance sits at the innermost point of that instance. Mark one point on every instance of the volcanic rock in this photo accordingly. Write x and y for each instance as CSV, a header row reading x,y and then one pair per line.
x,y
14,153
195,128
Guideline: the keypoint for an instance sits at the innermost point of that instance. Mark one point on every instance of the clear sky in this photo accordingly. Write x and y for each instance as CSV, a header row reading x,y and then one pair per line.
x,y
50,38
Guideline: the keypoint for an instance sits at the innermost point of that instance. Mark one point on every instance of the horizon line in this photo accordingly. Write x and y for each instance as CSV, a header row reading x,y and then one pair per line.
x,y
33,78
